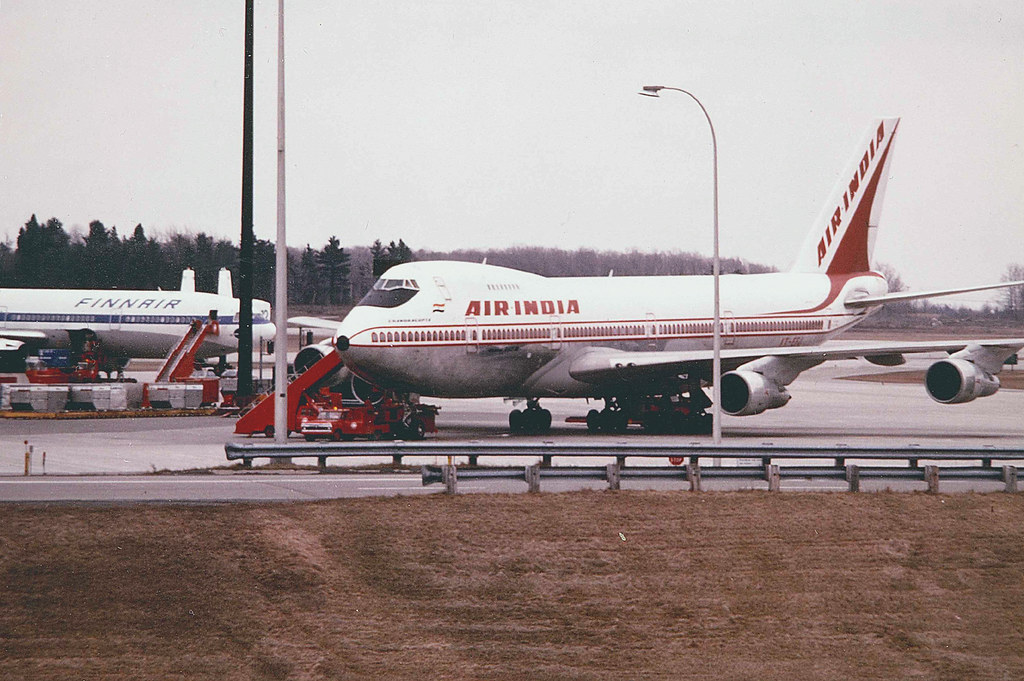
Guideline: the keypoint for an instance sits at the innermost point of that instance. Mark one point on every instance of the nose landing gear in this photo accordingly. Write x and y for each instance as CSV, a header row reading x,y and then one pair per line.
x,y
530,421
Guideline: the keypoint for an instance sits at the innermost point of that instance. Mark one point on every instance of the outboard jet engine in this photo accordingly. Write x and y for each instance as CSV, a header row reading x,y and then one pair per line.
x,y
955,381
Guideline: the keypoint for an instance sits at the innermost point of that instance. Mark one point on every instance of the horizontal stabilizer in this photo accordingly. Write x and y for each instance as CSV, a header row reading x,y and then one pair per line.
x,y
871,301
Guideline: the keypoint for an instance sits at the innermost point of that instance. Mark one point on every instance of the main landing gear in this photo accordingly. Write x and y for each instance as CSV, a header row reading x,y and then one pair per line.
x,y
682,414
530,421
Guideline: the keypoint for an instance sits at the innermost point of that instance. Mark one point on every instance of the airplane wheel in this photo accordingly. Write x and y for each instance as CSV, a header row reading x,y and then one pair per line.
x,y
269,431
543,421
417,431
593,421
517,421
615,421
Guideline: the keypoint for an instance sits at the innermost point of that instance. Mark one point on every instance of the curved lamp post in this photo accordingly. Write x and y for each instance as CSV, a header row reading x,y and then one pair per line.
x,y
716,362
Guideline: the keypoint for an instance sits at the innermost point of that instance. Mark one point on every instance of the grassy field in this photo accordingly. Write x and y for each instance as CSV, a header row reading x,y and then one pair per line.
x,y
586,585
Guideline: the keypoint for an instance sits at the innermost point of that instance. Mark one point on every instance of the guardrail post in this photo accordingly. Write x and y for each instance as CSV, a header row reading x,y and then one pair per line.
x,y
450,478
1010,478
693,475
771,474
396,459
545,460
613,475
621,461
474,459
931,476
532,476
28,458
321,464
246,462
853,477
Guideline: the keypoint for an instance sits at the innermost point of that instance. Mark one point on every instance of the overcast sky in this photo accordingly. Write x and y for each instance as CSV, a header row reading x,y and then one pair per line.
x,y
478,124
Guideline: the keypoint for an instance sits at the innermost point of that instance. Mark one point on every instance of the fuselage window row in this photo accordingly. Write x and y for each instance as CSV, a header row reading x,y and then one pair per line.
x,y
548,333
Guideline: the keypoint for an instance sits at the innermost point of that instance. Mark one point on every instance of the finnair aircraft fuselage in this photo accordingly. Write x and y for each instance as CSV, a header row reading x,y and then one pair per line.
x,y
471,330
126,323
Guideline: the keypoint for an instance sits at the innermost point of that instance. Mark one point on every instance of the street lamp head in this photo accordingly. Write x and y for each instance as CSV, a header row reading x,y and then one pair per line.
x,y
651,90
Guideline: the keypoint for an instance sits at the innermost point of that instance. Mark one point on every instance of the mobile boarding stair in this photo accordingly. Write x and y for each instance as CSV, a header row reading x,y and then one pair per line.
x,y
260,418
174,386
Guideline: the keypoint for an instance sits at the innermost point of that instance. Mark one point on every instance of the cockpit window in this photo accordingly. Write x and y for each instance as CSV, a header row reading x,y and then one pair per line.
x,y
393,284
390,292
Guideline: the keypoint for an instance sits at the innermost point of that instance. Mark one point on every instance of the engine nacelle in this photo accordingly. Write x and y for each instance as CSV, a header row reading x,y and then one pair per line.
x,y
352,386
954,381
745,393
310,355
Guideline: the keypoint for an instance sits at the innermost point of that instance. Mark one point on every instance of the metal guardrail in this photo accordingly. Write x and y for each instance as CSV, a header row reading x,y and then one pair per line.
x,y
248,451
692,473
690,454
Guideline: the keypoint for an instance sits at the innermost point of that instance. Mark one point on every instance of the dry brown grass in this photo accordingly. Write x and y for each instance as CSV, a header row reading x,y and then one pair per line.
x,y
709,586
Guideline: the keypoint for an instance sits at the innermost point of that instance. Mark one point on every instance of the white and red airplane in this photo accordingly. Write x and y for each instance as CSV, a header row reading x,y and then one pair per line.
x,y
644,344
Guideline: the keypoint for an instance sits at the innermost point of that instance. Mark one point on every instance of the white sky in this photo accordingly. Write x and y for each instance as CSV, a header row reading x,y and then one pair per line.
x,y
476,124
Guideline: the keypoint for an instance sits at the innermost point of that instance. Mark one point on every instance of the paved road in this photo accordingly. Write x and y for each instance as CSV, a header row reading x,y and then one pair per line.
x,y
824,410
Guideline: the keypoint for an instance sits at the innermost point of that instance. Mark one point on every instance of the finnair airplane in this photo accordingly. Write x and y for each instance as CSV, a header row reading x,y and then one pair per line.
x,y
125,323
644,344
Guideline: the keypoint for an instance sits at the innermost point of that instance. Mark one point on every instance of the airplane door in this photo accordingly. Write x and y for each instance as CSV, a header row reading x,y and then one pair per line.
x,y
651,331
555,333
728,330
472,335
3,317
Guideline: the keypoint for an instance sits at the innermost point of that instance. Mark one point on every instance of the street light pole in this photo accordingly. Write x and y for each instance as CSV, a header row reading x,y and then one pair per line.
x,y
716,361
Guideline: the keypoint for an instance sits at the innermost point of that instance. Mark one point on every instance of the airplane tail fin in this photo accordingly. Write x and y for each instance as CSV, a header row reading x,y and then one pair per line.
x,y
843,236
224,283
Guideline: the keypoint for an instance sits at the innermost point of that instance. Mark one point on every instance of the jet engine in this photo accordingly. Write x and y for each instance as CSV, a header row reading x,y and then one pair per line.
x,y
745,393
311,354
954,381
353,386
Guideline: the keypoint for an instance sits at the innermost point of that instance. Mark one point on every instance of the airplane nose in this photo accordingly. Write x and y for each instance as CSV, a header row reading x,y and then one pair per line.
x,y
342,343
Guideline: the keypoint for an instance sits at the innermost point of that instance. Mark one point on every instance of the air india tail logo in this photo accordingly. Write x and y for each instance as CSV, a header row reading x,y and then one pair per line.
x,y
856,185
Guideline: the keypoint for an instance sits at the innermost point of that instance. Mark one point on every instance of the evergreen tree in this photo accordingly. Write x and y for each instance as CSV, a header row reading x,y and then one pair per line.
x,y
305,284
42,258
333,267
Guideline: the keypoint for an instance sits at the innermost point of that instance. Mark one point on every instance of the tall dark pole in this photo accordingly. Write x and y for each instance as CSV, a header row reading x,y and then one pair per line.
x,y
245,250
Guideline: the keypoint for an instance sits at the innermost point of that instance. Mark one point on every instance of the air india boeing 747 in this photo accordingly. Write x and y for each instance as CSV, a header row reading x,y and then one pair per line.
x,y
643,345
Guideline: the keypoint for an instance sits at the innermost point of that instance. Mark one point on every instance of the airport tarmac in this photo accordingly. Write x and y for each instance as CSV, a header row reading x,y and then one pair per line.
x,y
825,410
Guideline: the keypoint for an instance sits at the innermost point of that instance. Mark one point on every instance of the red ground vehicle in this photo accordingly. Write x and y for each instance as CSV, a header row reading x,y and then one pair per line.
x,y
317,413
324,419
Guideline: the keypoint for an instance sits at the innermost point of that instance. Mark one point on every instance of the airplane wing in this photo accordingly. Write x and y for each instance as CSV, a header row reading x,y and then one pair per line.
x,y
870,301
606,365
314,323
7,345
22,335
